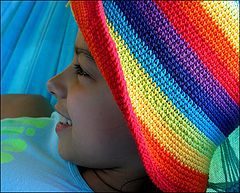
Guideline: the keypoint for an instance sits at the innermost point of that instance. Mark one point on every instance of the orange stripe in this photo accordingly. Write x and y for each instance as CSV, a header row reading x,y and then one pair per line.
x,y
215,36
161,156
179,148
222,17
208,56
175,170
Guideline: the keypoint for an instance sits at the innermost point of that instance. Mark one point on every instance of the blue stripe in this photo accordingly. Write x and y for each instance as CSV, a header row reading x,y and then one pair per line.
x,y
228,108
162,79
185,81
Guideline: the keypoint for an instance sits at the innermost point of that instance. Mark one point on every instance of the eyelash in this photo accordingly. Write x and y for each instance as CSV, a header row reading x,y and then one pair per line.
x,y
79,70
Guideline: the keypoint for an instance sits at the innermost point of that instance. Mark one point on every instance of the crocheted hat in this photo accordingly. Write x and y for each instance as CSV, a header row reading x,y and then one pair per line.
x,y
172,67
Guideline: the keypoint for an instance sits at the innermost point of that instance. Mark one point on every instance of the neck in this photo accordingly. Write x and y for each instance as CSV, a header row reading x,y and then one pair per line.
x,y
112,180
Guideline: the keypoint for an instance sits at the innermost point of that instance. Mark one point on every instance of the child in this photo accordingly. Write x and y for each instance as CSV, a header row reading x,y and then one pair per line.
x,y
99,136
139,102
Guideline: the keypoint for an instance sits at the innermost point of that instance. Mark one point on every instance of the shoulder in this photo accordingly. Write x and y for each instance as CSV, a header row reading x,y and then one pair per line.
x,y
20,105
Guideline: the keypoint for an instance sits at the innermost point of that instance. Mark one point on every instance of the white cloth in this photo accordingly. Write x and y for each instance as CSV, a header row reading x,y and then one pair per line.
x,y
30,159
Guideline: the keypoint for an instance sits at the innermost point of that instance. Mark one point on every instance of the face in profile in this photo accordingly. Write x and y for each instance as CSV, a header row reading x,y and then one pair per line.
x,y
99,136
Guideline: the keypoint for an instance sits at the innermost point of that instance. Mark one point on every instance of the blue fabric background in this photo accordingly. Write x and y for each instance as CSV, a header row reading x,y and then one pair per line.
x,y
37,42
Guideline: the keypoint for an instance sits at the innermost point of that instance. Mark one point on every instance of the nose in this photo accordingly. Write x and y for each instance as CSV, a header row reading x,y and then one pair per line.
x,y
56,86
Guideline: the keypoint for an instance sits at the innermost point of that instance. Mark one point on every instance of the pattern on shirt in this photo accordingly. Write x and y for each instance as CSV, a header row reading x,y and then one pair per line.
x,y
10,129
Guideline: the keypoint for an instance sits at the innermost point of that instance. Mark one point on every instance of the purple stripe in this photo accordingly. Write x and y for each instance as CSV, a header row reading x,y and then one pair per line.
x,y
189,59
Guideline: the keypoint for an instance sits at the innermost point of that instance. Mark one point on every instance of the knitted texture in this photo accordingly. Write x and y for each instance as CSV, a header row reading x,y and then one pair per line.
x,y
172,67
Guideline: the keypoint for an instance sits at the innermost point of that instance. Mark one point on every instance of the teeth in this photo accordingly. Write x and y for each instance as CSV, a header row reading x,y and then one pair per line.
x,y
69,122
64,120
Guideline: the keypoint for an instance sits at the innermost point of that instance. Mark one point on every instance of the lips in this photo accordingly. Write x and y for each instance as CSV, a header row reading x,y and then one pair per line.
x,y
61,127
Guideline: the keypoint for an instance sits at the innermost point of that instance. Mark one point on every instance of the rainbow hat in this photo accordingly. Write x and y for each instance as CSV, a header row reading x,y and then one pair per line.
x,y
173,69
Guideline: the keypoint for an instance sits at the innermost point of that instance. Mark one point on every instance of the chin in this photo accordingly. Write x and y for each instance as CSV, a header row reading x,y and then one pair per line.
x,y
62,152
64,145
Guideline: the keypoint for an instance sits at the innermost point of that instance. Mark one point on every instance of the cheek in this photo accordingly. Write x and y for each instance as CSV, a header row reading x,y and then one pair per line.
x,y
93,108
99,128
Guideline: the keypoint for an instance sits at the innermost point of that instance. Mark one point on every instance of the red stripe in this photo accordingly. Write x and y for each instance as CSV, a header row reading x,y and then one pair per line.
x,y
95,32
182,177
192,35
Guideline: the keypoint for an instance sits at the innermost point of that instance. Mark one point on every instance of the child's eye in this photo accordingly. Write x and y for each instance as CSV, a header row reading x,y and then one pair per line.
x,y
79,70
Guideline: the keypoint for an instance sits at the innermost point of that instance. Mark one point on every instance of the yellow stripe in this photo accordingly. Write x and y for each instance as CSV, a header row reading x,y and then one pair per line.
x,y
221,15
232,9
164,135
142,104
150,88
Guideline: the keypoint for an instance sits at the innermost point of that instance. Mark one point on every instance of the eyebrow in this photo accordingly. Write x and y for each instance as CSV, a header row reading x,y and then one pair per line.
x,y
78,51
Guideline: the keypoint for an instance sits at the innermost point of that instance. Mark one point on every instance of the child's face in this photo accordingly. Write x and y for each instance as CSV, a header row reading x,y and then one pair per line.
x,y
99,136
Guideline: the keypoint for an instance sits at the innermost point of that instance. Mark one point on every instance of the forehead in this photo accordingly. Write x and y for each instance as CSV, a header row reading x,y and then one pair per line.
x,y
80,42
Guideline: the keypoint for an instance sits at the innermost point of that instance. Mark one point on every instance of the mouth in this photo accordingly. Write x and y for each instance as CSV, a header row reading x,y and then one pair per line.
x,y
64,120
